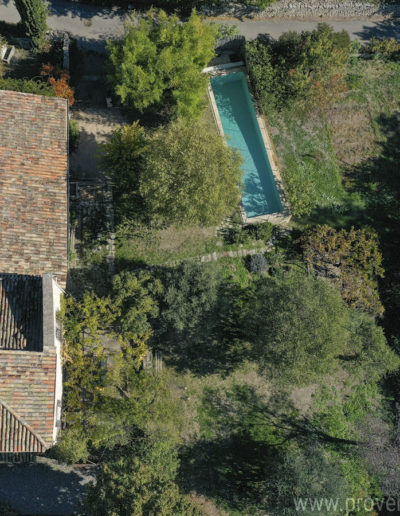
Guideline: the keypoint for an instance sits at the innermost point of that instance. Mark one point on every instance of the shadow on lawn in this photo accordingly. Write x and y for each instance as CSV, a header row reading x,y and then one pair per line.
x,y
376,183
245,460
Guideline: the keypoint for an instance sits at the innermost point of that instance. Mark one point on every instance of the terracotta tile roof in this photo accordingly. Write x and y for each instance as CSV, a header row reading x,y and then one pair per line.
x,y
27,368
21,312
16,436
33,184
27,386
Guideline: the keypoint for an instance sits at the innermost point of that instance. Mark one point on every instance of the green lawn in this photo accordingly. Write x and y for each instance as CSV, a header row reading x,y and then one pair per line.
x,y
146,246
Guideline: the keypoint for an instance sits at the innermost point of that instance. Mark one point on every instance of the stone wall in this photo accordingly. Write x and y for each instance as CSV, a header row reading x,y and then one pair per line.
x,y
307,9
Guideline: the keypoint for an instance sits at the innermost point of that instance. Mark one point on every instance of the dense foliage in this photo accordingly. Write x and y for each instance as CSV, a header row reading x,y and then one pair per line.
x,y
176,174
190,176
303,67
33,15
383,48
122,157
26,86
159,62
299,348
352,259
271,379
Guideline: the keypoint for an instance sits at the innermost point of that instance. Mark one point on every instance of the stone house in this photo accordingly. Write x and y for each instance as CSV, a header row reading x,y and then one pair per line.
x,y
33,269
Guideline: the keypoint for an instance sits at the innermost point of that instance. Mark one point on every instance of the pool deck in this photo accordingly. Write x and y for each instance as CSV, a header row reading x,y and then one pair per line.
x,y
284,216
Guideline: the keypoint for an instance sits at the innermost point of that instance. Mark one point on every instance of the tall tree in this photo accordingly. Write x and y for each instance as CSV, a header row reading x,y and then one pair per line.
x,y
190,175
298,327
138,481
160,59
33,15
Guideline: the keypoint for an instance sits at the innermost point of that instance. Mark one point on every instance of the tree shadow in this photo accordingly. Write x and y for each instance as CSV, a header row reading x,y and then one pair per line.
x,y
378,182
245,457
215,344
234,471
86,10
388,28
43,488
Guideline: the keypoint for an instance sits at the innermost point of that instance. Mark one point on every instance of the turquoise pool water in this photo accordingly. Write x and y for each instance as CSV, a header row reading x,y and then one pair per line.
x,y
241,128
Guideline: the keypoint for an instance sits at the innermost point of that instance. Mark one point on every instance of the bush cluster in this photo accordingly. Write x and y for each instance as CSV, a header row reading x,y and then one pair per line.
x,y
302,67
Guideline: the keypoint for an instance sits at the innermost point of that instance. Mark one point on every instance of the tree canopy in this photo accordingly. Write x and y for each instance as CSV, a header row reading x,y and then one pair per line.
x,y
33,15
159,61
140,480
299,66
190,176
298,326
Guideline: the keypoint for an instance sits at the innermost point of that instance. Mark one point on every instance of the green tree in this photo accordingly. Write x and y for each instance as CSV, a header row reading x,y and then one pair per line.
x,y
26,86
160,59
33,15
190,176
302,67
190,294
84,355
368,357
122,156
298,326
140,480
135,295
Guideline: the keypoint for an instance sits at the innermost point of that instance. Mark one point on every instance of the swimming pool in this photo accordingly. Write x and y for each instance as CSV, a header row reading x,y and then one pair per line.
x,y
260,195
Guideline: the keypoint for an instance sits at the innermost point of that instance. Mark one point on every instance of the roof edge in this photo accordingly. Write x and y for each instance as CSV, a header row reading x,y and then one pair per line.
x,y
22,421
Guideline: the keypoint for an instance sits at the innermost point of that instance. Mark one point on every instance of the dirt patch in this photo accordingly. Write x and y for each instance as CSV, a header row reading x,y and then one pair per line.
x,y
95,126
207,506
353,138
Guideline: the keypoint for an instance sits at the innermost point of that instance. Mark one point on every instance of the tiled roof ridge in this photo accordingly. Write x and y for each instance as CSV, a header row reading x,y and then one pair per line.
x,y
24,423
61,99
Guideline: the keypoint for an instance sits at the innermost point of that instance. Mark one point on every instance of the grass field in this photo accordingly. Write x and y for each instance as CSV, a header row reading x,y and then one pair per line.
x,y
318,150
147,246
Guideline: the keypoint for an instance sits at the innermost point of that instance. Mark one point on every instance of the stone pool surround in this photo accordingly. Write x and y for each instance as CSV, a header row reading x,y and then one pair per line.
x,y
284,216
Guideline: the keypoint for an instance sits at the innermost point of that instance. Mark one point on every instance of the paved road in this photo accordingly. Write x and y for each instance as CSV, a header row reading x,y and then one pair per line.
x,y
93,25
361,29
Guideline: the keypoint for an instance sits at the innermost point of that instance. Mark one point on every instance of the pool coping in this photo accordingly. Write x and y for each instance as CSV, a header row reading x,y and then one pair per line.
x,y
282,217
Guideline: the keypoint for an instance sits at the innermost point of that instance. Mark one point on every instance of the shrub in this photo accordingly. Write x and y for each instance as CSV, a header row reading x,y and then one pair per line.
x,y
72,447
257,264
58,79
237,234
263,231
190,294
352,259
26,86
383,48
